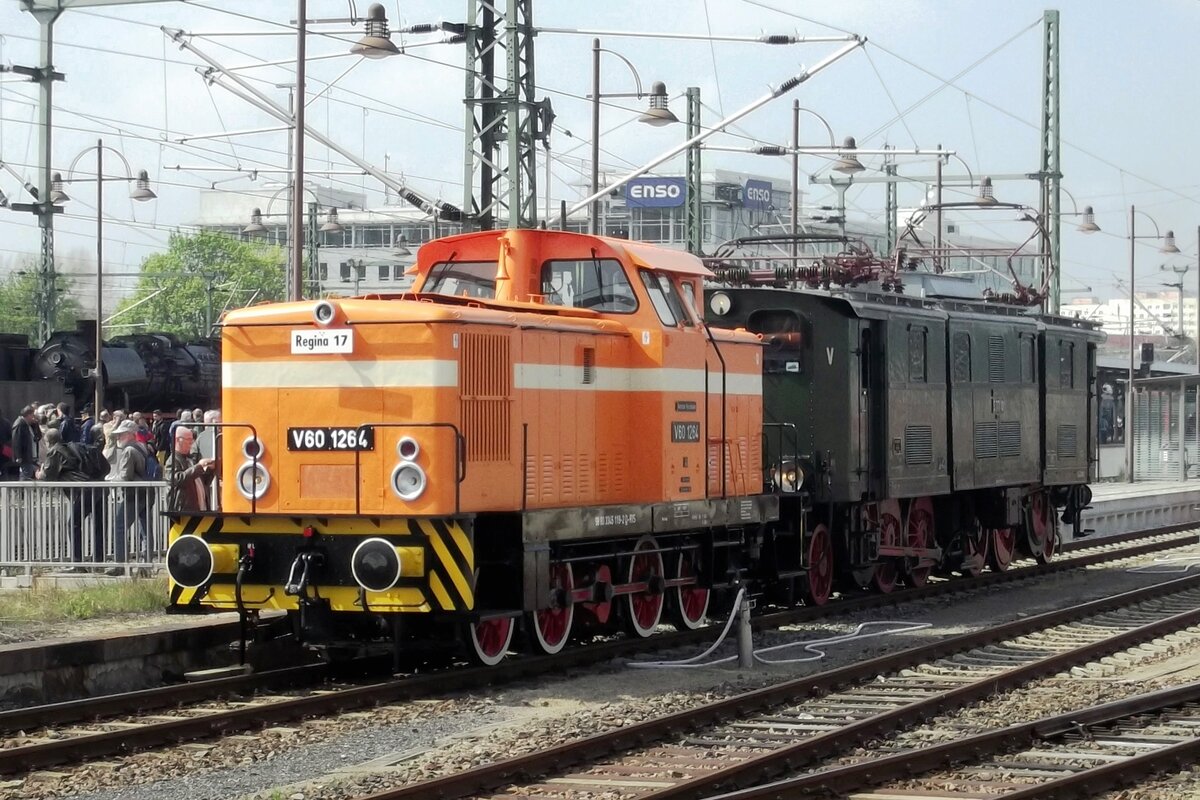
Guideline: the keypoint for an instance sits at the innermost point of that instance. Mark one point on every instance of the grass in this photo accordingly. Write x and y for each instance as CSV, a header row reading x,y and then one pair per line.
x,y
55,604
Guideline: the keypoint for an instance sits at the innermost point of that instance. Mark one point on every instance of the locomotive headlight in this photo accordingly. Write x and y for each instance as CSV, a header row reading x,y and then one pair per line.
x,y
408,480
253,480
376,565
324,312
252,447
787,477
191,561
720,303
408,448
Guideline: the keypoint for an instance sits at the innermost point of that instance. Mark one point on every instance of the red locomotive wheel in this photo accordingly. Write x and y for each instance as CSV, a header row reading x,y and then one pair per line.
x,y
689,606
818,581
1004,548
890,531
919,533
644,609
551,627
1043,536
976,545
490,640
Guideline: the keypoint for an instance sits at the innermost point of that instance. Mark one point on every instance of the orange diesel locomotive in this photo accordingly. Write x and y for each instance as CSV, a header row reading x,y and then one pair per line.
x,y
543,432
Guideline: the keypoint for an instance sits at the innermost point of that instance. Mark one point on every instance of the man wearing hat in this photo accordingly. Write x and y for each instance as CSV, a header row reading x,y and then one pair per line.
x,y
133,503
85,424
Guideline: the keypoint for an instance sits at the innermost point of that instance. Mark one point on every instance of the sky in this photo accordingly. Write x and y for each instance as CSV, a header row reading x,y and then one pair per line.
x,y
963,74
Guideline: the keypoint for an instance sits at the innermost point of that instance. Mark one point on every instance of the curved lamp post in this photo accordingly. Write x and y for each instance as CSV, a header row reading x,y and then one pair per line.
x,y
141,192
657,114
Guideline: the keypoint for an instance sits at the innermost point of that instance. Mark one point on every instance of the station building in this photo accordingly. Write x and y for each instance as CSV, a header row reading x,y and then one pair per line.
x,y
375,246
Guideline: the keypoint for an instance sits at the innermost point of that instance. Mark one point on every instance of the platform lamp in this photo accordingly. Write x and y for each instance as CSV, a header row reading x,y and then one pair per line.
x,y
657,114
846,163
142,193
375,44
256,226
1168,247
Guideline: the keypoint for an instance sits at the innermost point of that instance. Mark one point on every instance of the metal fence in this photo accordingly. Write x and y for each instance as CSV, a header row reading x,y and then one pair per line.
x,y
1165,437
82,524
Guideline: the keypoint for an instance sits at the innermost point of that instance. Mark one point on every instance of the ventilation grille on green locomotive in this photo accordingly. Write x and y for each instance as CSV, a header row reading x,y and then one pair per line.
x,y
1068,438
1010,439
996,361
986,444
918,444
997,439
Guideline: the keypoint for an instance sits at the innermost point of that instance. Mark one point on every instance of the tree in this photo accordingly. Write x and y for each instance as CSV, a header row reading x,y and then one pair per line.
x,y
184,290
18,314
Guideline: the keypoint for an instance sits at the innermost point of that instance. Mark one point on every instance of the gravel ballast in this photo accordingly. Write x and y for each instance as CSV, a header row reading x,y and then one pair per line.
x,y
353,754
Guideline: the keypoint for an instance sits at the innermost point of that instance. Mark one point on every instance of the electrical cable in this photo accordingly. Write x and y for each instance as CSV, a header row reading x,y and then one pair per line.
x,y
812,647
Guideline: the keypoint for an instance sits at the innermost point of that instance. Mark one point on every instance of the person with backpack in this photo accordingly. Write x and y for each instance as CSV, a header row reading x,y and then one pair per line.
x,y
133,503
24,443
64,462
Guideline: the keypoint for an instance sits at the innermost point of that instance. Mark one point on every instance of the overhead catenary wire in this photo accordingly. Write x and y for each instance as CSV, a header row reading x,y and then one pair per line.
x,y
982,100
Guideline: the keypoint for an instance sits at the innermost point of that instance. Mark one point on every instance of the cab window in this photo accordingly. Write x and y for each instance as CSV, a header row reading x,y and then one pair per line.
x,y
594,283
665,299
689,298
462,279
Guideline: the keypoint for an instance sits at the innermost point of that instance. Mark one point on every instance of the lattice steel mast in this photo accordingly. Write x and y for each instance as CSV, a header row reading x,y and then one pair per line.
x,y
1051,167
503,121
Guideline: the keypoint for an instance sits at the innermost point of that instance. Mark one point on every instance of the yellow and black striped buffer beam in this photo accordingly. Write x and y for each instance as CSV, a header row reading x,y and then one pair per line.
x,y
443,549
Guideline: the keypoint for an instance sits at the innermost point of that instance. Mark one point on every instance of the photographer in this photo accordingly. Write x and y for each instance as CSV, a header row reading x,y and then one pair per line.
x,y
189,475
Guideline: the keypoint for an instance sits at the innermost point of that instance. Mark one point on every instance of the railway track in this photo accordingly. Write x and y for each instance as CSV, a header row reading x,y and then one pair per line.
x,y
103,726
757,736
1077,754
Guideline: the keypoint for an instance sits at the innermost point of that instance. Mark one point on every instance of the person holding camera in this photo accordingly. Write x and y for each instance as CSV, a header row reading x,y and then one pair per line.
x,y
188,474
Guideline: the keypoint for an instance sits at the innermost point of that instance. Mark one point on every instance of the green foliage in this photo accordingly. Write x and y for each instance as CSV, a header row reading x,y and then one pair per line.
x,y
194,270
18,304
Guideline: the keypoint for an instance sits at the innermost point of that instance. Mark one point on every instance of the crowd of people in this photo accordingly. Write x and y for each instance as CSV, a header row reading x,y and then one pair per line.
x,y
47,443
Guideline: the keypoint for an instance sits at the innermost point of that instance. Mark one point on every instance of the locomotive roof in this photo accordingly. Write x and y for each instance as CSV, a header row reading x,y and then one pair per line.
x,y
578,245
878,305
881,305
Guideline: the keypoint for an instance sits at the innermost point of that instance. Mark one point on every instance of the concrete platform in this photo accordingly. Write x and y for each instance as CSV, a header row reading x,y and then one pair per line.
x,y
52,670
1125,507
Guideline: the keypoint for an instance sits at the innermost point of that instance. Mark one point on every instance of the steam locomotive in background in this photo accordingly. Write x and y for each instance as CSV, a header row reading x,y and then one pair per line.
x,y
141,371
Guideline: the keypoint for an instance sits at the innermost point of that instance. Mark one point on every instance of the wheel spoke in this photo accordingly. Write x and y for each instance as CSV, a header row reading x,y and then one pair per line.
x,y
644,609
1004,545
690,602
886,572
819,579
489,640
551,627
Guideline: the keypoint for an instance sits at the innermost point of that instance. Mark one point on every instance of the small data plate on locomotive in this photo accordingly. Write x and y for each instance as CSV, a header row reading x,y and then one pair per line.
x,y
350,439
309,342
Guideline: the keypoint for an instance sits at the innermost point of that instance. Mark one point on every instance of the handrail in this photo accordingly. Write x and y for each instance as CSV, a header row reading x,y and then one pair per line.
x,y
460,458
197,427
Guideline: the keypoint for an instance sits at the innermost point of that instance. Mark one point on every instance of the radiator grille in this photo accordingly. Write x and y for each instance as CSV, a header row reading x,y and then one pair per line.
x,y
485,391
1010,439
986,440
1068,438
918,444
996,359
589,365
